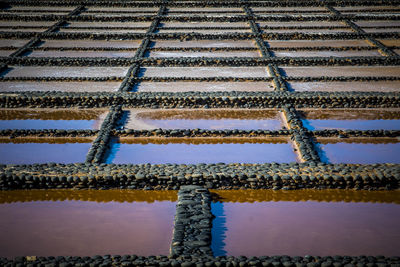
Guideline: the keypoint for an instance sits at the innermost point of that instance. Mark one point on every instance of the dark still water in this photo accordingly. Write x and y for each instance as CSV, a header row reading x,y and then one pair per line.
x,y
298,225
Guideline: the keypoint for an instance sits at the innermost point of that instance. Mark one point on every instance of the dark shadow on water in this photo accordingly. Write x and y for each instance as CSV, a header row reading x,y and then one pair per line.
x,y
321,153
112,149
218,231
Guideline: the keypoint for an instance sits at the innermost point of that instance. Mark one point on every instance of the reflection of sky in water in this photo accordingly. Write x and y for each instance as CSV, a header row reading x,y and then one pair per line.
x,y
202,153
359,153
28,153
48,124
85,228
352,124
272,124
305,228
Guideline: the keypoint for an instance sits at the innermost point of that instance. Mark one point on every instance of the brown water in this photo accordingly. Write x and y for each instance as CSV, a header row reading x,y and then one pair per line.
x,y
211,119
92,43
202,86
327,53
204,43
363,119
51,118
59,86
204,54
390,42
66,71
86,223
200,150
82,54
368,86
204,72
342,71
43,150
359,150
316,43
306,222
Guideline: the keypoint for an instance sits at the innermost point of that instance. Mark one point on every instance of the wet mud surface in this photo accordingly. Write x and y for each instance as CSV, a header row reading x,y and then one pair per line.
x,y
327,53
351,119
305,222
359,150
200,150
86,223
213,119
43,150
65,119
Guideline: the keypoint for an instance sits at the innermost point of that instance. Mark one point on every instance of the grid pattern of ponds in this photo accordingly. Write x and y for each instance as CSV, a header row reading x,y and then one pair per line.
x,y
166,87
171,48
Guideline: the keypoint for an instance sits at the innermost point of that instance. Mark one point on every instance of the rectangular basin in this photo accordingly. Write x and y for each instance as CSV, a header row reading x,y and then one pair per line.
x,y
6,53
209,119
368,86
92,43
28,71
67,119
316,43
390,42
60,86
343,119
204,72
86,223
202,86
327,53
13,42
305,222
204,43
200,150
359,150
204,54
43,150
108,54
359,71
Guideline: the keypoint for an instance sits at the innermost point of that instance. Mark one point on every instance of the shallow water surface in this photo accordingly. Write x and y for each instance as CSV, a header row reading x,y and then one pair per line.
x,y
204,72
359,150
86,223
212,119
367,86
306,222
363,119
202,86
59,86
43,150
51,119
199,150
